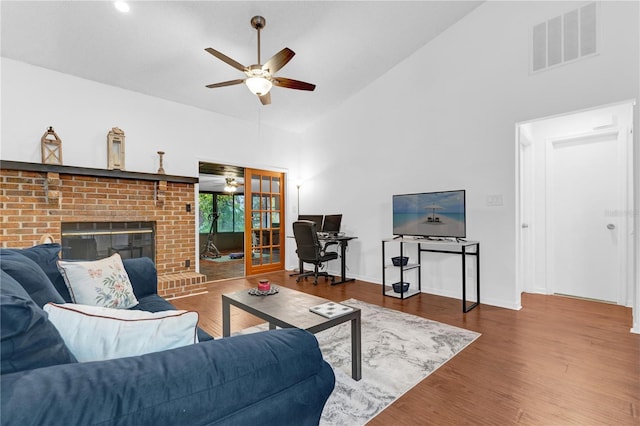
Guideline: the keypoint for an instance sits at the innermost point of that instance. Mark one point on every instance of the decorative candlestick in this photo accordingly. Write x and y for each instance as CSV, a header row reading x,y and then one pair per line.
x,y
161,169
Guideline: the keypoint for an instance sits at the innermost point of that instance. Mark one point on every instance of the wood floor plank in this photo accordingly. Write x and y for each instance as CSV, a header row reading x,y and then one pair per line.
x,y
557,361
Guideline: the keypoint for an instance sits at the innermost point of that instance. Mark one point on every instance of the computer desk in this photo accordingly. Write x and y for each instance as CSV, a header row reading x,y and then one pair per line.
x,y
343,242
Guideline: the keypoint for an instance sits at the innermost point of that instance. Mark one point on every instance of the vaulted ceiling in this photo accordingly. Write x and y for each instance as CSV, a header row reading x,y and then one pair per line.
x,y
158,47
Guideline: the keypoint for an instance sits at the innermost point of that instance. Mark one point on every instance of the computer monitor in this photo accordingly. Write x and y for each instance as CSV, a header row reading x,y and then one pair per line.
x,y
317,218
332,223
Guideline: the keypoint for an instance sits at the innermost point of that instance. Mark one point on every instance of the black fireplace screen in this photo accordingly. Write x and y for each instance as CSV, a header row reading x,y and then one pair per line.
x,y
97,240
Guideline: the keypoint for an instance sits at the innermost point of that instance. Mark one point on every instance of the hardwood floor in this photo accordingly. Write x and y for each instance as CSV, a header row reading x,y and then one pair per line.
x,y
558,361
222,270
216,271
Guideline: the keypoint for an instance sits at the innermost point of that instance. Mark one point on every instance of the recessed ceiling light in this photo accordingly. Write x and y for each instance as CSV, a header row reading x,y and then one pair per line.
x,y
122,6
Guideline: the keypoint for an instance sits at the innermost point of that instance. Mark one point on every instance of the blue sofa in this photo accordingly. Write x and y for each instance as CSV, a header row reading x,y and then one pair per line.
x,y
271,378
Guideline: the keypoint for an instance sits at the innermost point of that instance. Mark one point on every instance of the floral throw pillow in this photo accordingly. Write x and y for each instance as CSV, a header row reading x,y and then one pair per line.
x,y
101,282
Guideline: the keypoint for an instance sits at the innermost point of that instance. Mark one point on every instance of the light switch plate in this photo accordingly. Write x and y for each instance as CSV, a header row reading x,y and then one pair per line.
x,y
494,200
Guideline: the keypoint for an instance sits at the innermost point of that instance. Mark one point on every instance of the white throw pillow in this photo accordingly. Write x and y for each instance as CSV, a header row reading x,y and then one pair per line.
x,y
101,282
95,333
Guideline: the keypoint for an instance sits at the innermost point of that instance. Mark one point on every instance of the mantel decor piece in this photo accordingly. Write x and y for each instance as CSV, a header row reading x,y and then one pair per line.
x,y
161,168
115,149
51,148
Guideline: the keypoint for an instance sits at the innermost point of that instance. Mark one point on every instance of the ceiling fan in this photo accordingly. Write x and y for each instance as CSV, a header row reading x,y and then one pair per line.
x,y
231,185
260,77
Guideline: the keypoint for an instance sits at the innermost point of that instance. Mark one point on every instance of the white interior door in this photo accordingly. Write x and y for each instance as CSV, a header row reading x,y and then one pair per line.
x,y
584,191
526,201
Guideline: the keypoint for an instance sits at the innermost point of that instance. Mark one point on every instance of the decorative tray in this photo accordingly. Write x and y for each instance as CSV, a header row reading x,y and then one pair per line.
x,y
255,292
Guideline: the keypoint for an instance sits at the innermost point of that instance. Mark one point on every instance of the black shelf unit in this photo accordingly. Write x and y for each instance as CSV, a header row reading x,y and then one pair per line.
x,y
387,289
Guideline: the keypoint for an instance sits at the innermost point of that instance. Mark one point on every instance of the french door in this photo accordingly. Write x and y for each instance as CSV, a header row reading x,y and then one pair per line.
x,y
264,216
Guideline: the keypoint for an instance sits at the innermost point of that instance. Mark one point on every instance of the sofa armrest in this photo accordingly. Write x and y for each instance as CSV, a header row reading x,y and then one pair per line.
x,y
274,377
143,276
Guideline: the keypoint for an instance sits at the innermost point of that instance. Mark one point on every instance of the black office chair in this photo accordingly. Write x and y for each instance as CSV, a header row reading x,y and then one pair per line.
x,y
310,250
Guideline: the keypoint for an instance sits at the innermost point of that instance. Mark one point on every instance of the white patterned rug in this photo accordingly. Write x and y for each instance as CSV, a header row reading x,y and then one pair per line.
x,y
398,351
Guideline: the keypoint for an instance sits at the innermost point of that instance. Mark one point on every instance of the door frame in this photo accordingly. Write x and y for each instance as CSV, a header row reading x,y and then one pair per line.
x,y
526,247
526,188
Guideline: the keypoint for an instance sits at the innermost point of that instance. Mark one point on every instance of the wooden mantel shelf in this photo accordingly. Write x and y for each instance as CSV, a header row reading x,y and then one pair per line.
x,y
86,171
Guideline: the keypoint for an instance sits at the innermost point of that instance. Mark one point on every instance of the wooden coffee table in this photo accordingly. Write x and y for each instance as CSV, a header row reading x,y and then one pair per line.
x,y
290,309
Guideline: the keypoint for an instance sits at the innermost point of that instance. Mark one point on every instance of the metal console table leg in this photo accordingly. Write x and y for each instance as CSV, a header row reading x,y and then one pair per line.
x,y
466,308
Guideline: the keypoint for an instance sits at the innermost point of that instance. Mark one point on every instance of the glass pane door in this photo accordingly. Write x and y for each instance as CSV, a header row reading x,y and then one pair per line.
x,y
264,244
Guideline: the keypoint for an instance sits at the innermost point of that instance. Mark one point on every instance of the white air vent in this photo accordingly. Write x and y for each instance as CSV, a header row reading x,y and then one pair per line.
x,y
565,38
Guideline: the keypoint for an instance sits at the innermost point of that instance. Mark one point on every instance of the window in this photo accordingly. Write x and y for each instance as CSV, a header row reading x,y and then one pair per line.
x,y
206,212
230,208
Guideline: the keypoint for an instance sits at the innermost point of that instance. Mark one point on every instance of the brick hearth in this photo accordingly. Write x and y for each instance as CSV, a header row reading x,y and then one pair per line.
x,y
35,203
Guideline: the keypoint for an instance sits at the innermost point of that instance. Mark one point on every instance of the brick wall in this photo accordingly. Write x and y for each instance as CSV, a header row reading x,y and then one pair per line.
x,y
36,203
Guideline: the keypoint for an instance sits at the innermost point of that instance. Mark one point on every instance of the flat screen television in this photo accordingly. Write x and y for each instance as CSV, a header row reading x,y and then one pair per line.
x,y
430,214
317,218
332,223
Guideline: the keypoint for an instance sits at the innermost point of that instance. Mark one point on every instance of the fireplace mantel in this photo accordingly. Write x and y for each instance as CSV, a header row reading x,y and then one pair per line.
x,y
86,171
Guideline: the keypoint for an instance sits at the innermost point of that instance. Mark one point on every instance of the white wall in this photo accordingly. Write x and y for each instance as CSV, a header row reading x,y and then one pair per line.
x,y
445,119
82,112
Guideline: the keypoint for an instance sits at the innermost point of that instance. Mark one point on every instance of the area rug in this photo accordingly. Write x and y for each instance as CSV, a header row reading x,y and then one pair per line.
x,y
398,351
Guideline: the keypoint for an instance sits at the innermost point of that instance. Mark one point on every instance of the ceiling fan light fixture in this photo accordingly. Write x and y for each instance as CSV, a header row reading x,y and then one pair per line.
x,y
260,77
258,85
229,188
231,185
122,6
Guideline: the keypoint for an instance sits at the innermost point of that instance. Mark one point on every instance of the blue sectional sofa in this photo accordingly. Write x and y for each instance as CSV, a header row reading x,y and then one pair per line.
x,y
271,378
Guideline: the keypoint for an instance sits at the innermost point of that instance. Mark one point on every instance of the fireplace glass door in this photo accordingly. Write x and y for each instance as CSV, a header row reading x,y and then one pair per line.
x,y
98,240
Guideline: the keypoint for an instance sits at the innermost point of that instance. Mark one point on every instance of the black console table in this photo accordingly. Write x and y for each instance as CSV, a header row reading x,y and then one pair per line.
x,y
463,248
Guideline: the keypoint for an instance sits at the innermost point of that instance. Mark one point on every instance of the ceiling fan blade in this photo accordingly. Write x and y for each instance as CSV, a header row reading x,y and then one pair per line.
x,y
225,83
225,58
265,99
279,60
292,84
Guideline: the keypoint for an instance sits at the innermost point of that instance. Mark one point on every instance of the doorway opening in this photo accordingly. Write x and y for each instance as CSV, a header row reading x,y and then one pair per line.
x,y
240,215
221,221
575,204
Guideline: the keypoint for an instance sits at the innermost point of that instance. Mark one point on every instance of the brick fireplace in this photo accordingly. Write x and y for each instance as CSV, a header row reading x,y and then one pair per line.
x,y
36,199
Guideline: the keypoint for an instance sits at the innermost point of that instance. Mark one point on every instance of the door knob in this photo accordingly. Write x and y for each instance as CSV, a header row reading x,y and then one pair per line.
x,y
611,226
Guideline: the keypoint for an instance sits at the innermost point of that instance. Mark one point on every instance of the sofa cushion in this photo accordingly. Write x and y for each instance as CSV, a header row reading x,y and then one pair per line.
x,y
30,276
47,256
28,339
101,282
96,333
142,273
